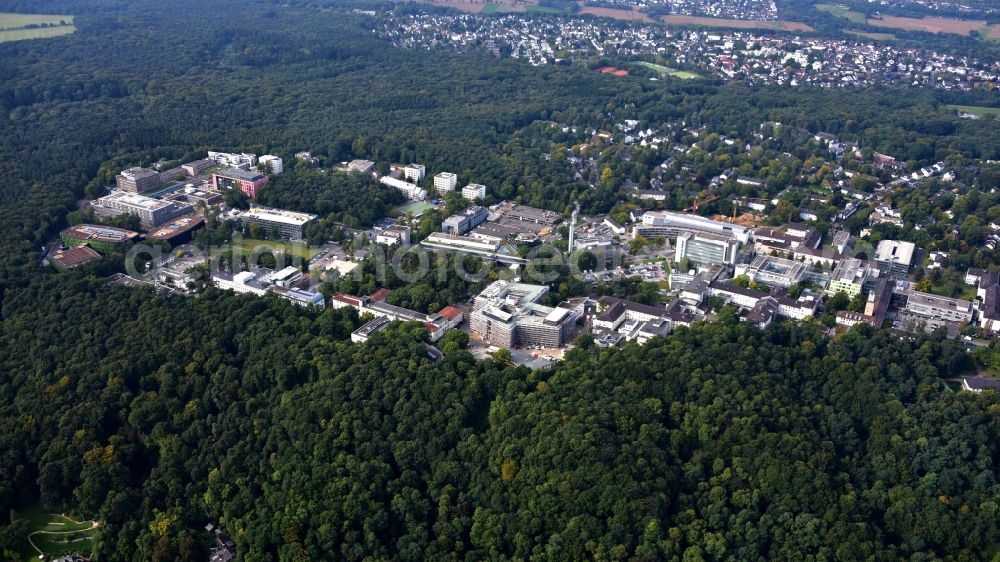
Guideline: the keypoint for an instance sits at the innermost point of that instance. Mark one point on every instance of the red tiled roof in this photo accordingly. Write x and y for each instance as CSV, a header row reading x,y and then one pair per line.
x,y
450,312
380,295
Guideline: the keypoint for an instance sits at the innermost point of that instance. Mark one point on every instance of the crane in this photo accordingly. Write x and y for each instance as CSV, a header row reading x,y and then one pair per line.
x,y
694,206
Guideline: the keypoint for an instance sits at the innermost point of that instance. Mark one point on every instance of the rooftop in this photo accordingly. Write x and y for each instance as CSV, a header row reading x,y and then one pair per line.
x,y
277,215
74,257
99,233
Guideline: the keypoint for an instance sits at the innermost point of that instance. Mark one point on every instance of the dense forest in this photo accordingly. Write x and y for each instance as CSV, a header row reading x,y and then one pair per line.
x,y
156,415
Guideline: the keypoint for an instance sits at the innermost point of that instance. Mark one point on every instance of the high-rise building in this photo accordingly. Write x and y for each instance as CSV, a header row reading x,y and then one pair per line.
x,y
276,164
414,172
445,182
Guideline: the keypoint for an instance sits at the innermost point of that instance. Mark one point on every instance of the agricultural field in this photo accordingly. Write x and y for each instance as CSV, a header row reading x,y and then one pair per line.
x,y
55,535
974,110
667,71
938,25
842,12
633,14
735,23
17,27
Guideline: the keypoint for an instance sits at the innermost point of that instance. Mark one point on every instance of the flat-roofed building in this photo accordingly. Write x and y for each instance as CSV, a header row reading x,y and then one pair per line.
x,y
937,307
667,224
237,178
151,212
508,211
704,249
507,315
414,172
894,256
445,182
369,329
463,222
276,164
288,224
480,247
241,282
244,160
71,258
196,167
772,271
137,180
361,166
98,237
849,277
474,192
393,235
412,191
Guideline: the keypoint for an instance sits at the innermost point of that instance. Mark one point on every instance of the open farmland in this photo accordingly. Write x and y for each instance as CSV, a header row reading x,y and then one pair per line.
x,y
17,27
935,25
633,14
735,23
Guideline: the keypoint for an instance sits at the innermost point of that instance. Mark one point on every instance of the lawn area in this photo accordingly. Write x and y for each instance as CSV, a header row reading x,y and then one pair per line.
x,y
667,71
839,11
246,246
55,535
975,110
968,292
13,27
416,208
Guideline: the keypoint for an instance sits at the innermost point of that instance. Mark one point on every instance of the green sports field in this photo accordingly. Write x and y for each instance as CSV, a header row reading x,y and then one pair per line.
x,y
416,208
667,71
55,535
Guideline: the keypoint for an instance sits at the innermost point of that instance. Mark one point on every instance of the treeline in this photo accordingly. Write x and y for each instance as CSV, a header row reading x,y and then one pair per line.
x,y
158,415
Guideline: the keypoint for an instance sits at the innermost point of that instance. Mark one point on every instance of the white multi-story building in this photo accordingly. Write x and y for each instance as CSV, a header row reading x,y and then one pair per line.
x,y
276,164
474,191
243,161
242,282
445,182
414,172
410,190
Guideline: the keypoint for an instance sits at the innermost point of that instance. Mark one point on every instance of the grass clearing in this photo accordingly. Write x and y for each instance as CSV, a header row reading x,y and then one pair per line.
x,y
55,535
18,27
975,110
249,245
667,71
871,35
844,12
